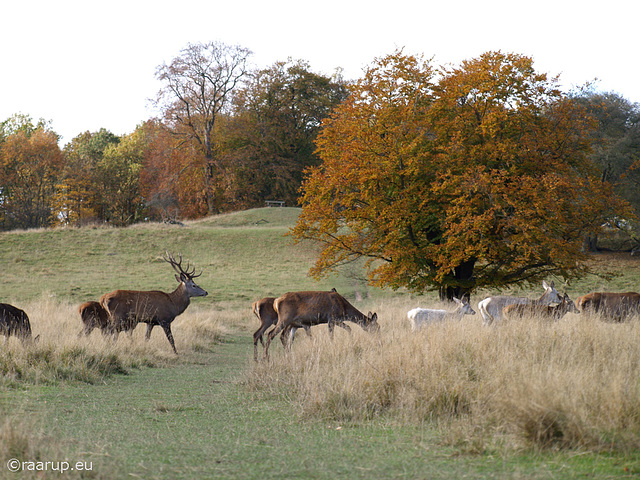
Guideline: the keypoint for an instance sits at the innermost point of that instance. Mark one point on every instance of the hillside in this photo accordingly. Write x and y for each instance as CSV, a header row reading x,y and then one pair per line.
x,y
243,256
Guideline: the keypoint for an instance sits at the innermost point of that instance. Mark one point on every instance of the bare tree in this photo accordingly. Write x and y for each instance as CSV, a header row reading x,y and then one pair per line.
x,y
198,85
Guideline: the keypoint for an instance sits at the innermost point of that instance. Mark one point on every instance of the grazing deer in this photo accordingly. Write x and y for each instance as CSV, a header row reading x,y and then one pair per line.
x,y
305,309
547,312
614,306
424,316
14,321
93,316
491,307
127,308
263,309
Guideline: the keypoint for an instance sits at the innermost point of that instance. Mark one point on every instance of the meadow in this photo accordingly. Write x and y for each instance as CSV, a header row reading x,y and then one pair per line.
x,y
526,399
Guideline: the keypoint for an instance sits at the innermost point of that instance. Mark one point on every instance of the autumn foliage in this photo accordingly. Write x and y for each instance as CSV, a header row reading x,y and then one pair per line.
x,y
461,178
452,178
30,162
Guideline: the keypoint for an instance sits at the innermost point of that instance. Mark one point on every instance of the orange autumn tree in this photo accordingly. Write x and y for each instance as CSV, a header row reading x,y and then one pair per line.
x,y
476,178
30,164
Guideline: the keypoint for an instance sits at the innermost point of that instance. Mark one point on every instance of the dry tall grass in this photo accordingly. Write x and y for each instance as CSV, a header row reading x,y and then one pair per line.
x,y
574,383
61,354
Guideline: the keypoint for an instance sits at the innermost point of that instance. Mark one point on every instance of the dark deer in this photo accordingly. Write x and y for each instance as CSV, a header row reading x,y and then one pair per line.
x,y
14,321
93,315
305,309
610,306
127,308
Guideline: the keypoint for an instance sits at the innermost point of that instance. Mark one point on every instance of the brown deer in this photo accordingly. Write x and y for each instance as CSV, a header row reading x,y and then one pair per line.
x,y
548,312
93,316
127,308
263,309
612,306
14,321
305,309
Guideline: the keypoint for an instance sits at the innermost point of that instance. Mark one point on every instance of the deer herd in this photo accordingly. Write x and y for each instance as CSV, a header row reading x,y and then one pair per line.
x,y
122,310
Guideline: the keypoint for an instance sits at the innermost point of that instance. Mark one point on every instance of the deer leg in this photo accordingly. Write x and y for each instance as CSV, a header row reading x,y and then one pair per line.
x,y
147,335
283,336
275,331
345,326
331,325
286,337
167,331
258,336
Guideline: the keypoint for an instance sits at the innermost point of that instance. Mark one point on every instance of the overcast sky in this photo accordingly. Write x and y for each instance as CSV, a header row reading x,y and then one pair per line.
x,y
89,64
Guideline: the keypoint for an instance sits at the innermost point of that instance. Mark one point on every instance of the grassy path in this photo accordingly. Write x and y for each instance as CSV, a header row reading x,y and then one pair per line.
x,y
196,420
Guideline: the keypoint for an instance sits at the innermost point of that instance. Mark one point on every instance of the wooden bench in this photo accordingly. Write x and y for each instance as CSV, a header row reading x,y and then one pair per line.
x,y
274,203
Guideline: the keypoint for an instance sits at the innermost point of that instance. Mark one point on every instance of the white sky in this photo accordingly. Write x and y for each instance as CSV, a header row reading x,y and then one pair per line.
x,y
87,64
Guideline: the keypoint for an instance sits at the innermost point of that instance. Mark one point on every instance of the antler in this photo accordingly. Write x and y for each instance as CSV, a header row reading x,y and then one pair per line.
x,y
177,266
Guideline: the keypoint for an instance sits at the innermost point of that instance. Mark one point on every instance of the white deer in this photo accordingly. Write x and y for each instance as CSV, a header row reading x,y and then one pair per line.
x,y
424,316
491,307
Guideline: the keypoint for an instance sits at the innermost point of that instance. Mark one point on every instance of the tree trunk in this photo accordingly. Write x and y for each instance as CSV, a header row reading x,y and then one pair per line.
x,y
462,284
591,243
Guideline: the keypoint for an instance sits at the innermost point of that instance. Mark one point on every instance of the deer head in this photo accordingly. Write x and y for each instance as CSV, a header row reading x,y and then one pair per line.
x,y
186,276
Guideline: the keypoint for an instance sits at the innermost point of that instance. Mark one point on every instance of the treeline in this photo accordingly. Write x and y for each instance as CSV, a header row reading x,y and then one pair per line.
x,y
222,145
227,138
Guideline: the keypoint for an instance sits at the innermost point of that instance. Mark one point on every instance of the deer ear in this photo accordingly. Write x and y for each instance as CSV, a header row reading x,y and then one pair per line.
x,y
178,279
457,300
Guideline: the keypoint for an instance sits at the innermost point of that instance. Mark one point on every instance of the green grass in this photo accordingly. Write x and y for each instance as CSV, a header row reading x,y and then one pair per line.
x,y
196,416
241,261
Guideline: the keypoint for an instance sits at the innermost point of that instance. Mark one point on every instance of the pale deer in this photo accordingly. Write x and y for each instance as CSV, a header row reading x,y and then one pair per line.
x,y
263,309
305,309
127,308
14,321
425,316
542,312
610,306
491,307
93,316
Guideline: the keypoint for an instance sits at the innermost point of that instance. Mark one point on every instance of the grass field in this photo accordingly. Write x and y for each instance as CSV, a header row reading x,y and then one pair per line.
x,y
527,400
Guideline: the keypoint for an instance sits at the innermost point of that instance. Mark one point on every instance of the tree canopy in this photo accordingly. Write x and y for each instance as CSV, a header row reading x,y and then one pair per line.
x,y
473,176
197,88
270,138
30,162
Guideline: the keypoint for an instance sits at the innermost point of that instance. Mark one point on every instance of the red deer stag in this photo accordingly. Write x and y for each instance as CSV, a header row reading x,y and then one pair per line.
x,y
614,306
305,309
547,312
14,321
127,308
93,316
